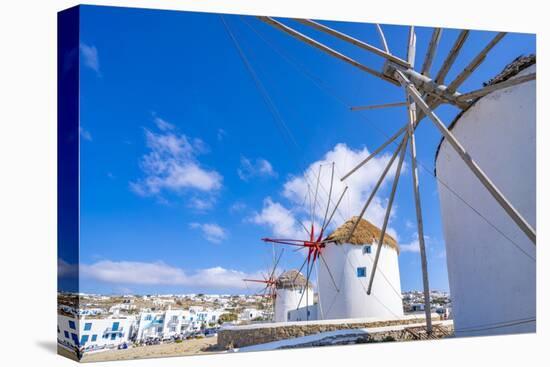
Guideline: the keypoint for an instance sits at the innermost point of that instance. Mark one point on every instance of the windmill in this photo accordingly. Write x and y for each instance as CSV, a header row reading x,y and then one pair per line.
x,y
314,241
423,94
270,280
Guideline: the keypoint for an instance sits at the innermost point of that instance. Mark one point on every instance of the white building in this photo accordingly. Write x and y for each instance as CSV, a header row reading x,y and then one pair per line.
x,y
492,280
249,314
350,265
291,294
94,333
172,323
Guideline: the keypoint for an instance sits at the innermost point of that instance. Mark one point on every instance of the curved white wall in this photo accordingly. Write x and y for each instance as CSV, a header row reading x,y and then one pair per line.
x,y
289,300
352,300
490,280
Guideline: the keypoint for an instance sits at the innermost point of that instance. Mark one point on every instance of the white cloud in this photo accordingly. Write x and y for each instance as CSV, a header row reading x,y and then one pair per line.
x,y
163,125
237,207
221,134
281,221
90,57
160,273
299,191
412,246
85,134
211,231
171,165
201,204
255,168
66,270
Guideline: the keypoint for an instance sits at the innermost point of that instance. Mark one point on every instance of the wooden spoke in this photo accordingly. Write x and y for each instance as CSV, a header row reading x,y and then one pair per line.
x,y
326,49
494,87
375,189
388,212
373,154
472,165
432,49
382,38
353,41
451,57
378,106
473,65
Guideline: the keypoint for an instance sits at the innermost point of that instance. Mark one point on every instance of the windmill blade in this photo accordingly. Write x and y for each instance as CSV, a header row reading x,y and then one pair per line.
x,y
378,106
432,49
378,150
419,220
494,87
326,49
451,57
375,189
315,197
329,272
473,65
276,263
382,38
299,270
472,165
387,216
353,41
335,208
308,273
411,48
329,198
304,227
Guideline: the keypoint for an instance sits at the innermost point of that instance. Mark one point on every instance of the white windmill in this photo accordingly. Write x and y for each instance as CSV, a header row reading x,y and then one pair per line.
x,y
422,95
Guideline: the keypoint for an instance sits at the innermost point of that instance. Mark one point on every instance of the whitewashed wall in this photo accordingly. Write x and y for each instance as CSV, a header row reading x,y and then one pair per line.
x,y
491,281
352,301
289,300
101,328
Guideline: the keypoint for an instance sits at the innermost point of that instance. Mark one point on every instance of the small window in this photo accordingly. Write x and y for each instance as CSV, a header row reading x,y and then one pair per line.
x,y
84,339
75,338
66,334
362,272
367,249
113,336
94,337
148,318
72,325
115,326
87,326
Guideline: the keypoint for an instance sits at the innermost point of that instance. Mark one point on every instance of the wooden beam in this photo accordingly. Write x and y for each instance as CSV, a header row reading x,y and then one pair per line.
x,y
419,221
411,47
326,49
378,106
377,186
451,57
494,87
344,37
373,154
473,65
382,38
432,49
472,165
403,148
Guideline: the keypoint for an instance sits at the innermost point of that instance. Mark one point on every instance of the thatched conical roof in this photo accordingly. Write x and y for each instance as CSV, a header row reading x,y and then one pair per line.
x,y
291,279
366,233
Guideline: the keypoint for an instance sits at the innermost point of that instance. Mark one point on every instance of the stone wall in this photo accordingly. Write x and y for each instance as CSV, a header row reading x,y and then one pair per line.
x,y
242,336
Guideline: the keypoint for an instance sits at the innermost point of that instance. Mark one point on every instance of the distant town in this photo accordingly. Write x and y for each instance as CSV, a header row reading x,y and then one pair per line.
x,y
92,323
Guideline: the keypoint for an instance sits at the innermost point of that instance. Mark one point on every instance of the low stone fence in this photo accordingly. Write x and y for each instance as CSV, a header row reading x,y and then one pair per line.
x,y
242,336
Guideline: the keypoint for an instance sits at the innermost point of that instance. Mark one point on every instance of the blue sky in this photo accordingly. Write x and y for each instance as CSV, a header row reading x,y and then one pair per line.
x,y
184,169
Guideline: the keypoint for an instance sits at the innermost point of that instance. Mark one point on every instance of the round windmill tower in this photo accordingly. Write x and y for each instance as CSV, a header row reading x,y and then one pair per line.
x,y
351,260
292,291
